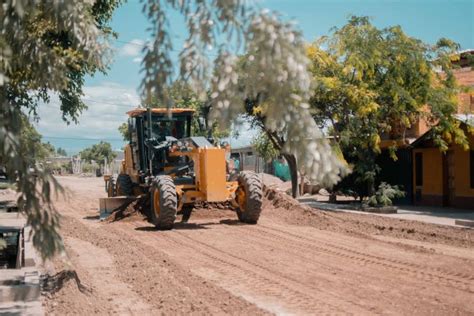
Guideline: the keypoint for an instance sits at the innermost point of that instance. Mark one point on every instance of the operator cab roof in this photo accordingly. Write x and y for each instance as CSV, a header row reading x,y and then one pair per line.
x,y
164,111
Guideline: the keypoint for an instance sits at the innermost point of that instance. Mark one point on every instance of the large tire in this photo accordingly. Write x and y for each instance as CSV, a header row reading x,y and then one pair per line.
x,y
111,190
124,185
249,197
164,204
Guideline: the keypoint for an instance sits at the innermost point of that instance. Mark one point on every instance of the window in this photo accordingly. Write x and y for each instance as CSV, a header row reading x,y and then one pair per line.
x,y
471,167
419,169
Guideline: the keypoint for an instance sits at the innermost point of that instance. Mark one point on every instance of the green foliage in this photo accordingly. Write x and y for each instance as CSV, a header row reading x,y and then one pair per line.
x,y
98,153
89,168
264,147
45,47
371,82
61,152
181,95
385,194
123,129
32,148
7,185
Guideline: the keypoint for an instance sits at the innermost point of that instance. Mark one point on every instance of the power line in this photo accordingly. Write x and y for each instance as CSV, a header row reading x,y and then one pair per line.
x,y
83,138
131,42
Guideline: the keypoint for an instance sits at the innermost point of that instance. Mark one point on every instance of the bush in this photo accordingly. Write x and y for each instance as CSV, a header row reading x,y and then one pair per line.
x,y
89,168
7,185
385,194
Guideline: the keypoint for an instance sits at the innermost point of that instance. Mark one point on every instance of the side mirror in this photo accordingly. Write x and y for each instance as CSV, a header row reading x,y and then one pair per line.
x,y
202,123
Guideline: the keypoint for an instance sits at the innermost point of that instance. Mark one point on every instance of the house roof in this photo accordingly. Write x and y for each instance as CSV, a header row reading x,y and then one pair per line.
x,y
425,139
467,119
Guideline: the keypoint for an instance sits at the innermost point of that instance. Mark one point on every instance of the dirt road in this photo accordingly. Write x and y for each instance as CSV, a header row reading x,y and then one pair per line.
x,y
293,262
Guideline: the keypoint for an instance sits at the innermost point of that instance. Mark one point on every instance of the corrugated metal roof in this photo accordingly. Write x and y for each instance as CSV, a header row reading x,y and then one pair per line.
x,y
466,118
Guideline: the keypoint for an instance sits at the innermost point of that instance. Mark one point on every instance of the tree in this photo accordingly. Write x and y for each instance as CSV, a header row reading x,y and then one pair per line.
x,y
61,152
123,129
99,153
45,47
183,96
32,149
264,147
370,82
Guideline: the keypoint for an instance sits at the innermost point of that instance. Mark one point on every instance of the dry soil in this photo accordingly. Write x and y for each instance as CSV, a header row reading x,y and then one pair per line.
x,y
294,261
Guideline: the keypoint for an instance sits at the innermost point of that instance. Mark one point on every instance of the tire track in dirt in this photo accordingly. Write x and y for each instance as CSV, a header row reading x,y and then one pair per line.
x,y
166,287
344,293
290,292
418,271
463,276
328,267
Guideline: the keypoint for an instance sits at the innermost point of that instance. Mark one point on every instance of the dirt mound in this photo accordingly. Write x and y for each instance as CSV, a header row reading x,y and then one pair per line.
x,y
270,180
273,182
51,284
283,207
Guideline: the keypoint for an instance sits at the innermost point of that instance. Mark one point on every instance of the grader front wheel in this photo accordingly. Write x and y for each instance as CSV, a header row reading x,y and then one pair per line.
x,y
249,197
111,190
163,203
124,185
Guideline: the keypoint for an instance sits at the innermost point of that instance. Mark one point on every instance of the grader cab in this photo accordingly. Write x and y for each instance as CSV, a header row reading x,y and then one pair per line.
x,y
176,170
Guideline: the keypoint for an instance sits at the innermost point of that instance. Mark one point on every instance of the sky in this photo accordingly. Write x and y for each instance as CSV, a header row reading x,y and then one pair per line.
x,y
110,96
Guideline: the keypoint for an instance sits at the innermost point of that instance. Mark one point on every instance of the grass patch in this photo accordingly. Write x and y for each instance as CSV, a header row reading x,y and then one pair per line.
x,y
7,185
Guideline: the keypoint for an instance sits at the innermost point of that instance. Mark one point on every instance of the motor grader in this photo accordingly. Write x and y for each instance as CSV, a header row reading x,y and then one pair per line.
x,y
175,170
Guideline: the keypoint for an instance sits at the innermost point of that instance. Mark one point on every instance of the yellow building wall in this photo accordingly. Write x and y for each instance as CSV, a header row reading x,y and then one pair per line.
x,y
432,188
462,181
432,171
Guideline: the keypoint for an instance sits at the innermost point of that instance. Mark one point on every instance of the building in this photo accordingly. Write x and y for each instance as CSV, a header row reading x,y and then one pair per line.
x,y
430,185
248,159
444,179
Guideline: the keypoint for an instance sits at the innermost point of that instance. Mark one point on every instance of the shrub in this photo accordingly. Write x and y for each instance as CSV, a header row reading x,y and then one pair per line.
x,y
385,194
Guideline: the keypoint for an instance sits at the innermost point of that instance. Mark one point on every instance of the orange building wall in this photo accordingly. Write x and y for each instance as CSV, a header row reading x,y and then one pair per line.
x,y
432,189
432,171
462,181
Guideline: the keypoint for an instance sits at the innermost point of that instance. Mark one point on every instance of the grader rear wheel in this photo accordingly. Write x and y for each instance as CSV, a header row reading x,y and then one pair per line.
x,y
163,203
249,197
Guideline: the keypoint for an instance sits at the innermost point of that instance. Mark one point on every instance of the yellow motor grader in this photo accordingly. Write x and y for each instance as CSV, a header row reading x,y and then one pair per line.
x,y
176,170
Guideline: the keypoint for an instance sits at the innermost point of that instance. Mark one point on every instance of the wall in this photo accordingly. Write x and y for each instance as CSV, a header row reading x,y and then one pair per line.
x,y
462,181
432,189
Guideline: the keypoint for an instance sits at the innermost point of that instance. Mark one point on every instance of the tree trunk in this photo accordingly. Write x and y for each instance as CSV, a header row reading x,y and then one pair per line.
x,y
291,159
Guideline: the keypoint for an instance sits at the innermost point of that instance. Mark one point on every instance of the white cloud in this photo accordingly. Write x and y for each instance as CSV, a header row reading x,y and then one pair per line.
x,y
137,60
107,106
132,48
